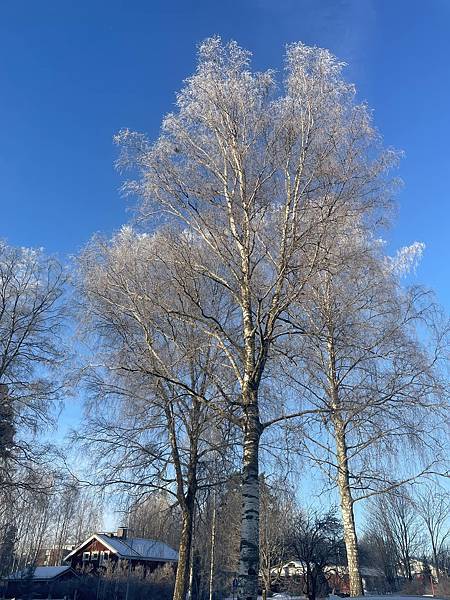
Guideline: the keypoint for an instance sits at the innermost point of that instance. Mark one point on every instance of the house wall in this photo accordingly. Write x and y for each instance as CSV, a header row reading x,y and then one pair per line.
x,y
94,545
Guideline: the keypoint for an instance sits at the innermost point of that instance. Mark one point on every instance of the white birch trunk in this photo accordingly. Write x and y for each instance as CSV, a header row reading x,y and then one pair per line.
x,y
348,517
184,555
249,548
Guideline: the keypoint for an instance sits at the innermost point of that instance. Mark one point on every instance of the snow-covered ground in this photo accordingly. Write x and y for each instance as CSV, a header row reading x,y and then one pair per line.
x,y
387,597
375,597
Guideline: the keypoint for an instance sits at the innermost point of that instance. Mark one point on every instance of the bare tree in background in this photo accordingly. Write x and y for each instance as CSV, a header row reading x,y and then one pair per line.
x,y
7,433
75,513
433,507
394,514
314,539
32,521
378,550
277,508
32,315
444,560
217,535
156,518
31,351
255,180
47,519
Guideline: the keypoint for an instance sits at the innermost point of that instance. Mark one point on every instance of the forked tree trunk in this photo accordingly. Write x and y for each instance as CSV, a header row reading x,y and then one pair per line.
x,y
186,494
249,548
348,517
184,556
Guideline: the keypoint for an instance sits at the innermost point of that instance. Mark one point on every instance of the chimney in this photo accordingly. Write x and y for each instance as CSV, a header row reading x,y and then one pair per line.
x,y
122,532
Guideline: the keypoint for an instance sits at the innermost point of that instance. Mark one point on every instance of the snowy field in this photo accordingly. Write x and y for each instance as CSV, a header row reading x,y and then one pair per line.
x,y
375,597
387,597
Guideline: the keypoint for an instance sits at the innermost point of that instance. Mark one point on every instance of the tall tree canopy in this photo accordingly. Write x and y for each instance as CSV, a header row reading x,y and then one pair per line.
x,y
252,176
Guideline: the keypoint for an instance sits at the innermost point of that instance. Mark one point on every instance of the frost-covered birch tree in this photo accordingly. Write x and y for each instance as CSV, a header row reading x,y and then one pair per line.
x,y
369,359
256,173
151,415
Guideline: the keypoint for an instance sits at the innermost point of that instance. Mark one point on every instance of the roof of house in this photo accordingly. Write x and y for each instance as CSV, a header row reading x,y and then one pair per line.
x,y
365,571
371,572
132,548
299,567
41,573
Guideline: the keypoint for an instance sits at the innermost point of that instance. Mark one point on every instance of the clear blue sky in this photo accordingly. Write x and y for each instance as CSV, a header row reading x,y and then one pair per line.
x,y
72,73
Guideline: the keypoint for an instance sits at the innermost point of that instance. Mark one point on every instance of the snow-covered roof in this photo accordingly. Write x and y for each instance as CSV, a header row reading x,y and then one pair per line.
x,y
371,572
137,548
298,567
40,573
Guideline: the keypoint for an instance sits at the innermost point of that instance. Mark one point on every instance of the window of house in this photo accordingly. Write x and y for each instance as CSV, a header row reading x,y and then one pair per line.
x,y
104,556
86,556
94,555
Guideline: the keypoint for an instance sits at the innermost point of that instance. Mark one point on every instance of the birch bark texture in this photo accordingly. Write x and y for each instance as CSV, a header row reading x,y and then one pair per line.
x,y
348,516
250,176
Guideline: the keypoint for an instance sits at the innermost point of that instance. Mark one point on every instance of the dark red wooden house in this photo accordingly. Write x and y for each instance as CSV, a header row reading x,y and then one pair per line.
x,y
103,549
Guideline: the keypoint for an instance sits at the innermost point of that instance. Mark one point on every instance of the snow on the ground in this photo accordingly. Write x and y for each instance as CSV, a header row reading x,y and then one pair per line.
x,y
374,597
